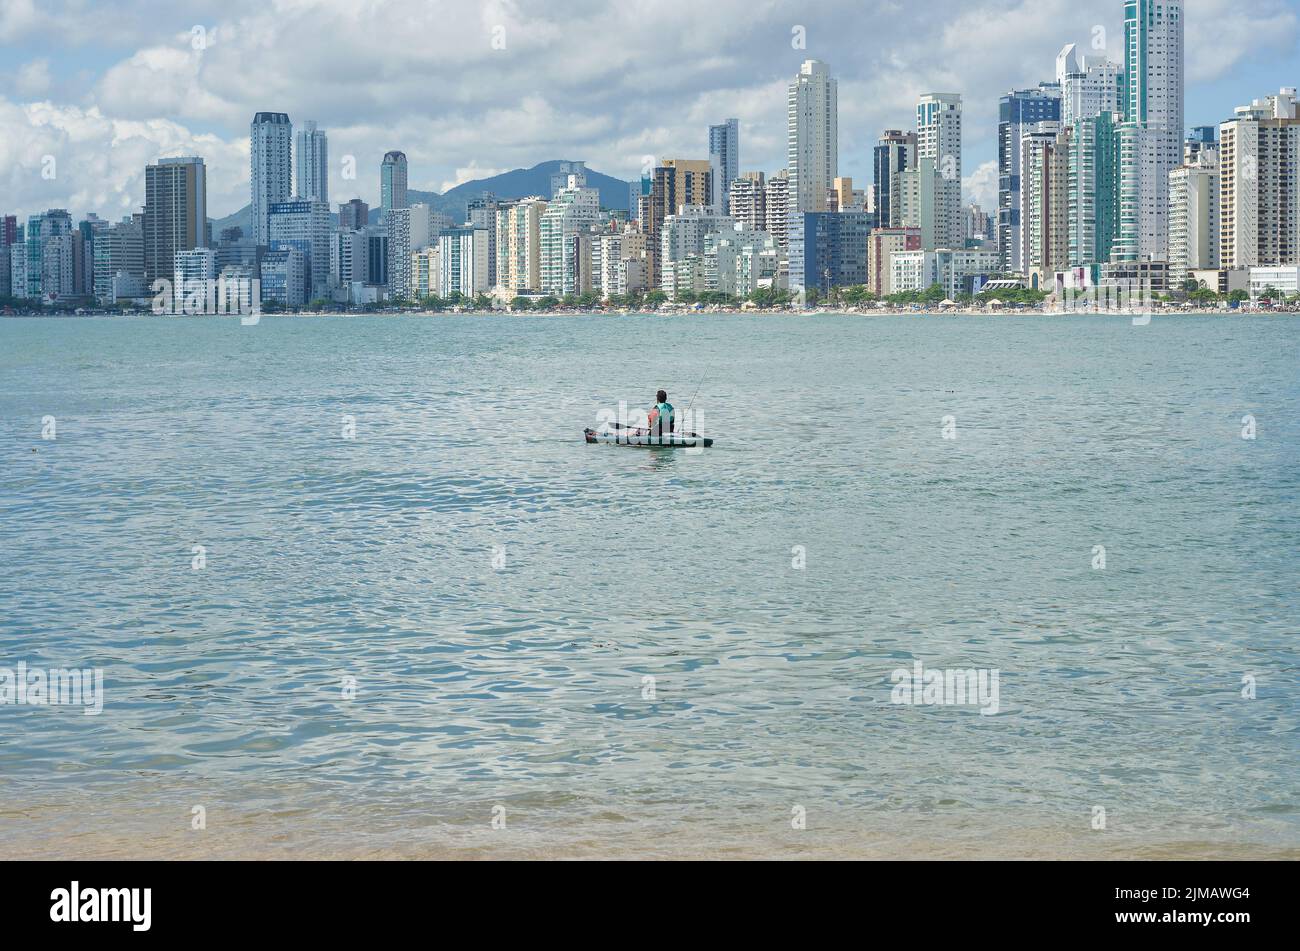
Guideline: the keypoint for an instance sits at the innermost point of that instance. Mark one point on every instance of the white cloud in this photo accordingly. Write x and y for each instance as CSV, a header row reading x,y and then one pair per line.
x,y
33,79
578,79
981,186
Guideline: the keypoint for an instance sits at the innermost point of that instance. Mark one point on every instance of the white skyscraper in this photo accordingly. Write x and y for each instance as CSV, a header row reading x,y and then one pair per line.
x,y
313,180
938,137
1259,183
1152,133
270,148
813,143
1090,85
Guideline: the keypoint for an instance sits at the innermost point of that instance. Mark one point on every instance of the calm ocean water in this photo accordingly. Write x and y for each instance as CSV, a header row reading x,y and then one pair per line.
x,y
499,591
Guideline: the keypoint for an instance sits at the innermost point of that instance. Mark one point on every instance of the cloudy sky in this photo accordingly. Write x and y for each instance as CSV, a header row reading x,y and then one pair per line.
x,y
469,88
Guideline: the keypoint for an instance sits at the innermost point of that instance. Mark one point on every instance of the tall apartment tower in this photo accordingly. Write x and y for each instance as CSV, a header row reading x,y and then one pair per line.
x,y
778,204
746,201
724,161
270,156
938,138
392,182
1089,85
894,153
813,136
313,181
175,212
1259,184
1152,132
1018,111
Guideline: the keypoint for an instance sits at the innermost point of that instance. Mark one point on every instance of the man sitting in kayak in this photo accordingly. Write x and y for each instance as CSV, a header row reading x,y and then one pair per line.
x,y
661,415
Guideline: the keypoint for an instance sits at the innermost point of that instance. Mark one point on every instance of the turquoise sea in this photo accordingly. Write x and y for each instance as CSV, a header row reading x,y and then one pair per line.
x,y
465,632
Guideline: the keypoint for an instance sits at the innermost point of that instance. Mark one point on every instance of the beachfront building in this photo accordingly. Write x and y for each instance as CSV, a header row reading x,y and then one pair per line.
x,y
426,273
1092,203
829,249
812,136
1194,217
618,263
914,199
683,237
882,243
1259,183
1275,281
746,201
175,212
519,246
397,224
938,138
349,262
1151,135
961,271
305,225
673,184
894,154
1044,175
575,209
776,208
119,249
1018,110
270,151
740,261
463,262
284,277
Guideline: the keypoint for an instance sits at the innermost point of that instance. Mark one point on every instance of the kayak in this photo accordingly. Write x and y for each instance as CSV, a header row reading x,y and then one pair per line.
x,y
640,437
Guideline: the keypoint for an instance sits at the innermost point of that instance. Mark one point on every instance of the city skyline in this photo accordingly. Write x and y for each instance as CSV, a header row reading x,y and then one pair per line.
x,y
168,99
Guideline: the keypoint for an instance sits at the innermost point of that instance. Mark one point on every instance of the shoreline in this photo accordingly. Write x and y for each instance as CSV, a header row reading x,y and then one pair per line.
x,y
749,312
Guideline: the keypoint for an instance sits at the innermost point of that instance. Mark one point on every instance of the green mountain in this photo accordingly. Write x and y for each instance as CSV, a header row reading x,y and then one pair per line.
x,y
519,183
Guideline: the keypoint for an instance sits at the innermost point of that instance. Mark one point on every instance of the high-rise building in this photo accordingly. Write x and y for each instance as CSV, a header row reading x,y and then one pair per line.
x,y
270,148
313,181
8,229
392,183
1044,179
813,143
397,222
305,226
1092,204
573,209
481,213
1088,85
893,154
881,245
284,277
777,205
674,184
745,201
1194,217
354,215
463,261
1018,110
175,213
119,249
1151,139
519,245
1259,184
829,249
914,202
724,160
938,137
